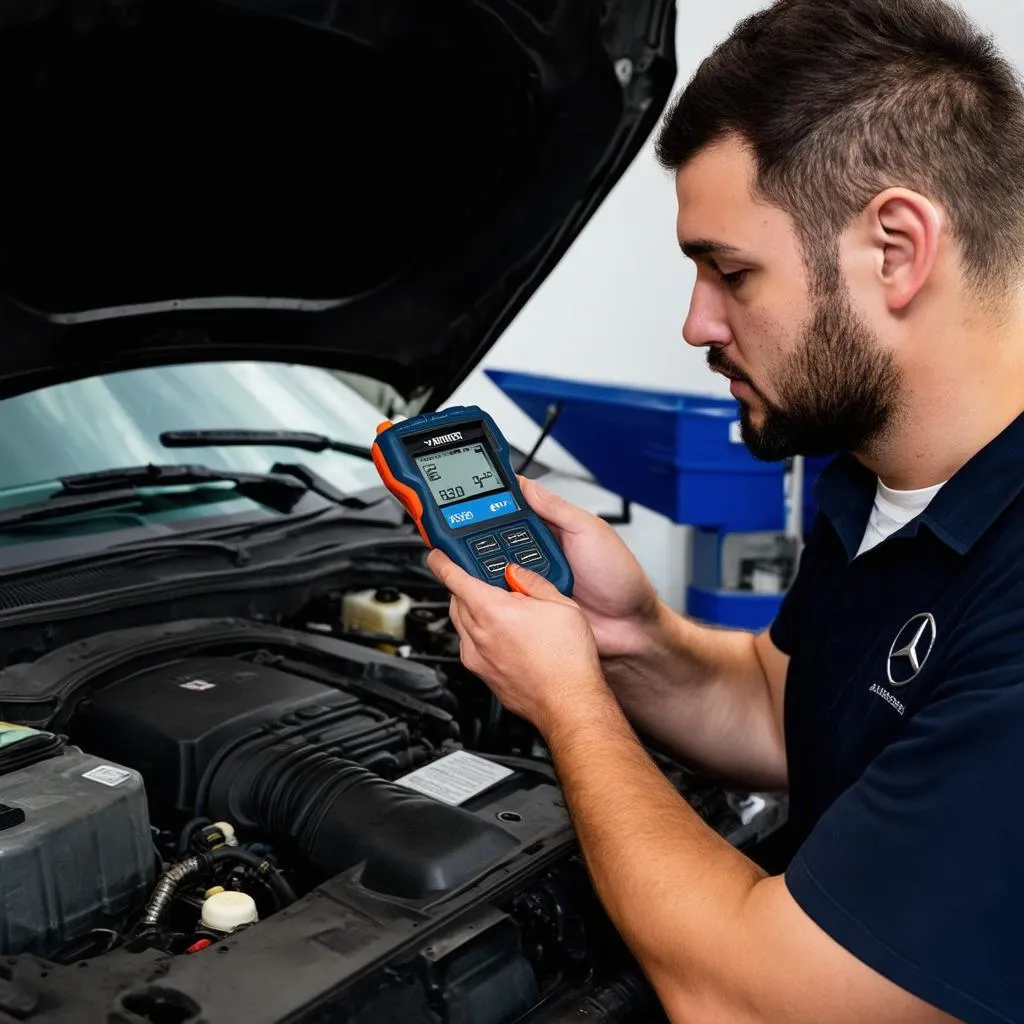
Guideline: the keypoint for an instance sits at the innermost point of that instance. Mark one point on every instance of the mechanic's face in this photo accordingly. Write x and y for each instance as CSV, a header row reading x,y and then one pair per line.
x,y
811,376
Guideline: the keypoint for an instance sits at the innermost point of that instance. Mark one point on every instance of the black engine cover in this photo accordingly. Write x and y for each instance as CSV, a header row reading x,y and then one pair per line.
x,y
170,722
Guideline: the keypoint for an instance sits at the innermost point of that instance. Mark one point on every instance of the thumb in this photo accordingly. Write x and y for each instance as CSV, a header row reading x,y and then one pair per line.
x,y
532,584
553,508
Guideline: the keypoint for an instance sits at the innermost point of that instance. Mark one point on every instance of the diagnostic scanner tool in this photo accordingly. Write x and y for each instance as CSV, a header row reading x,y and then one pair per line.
x,y
453,473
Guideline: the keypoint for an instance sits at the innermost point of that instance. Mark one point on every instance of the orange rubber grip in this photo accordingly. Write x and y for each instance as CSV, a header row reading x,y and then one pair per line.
x,y
409,499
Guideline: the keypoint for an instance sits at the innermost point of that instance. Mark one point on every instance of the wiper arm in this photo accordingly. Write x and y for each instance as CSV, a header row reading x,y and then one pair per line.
x,y
281,488
308,442
106,480
88,492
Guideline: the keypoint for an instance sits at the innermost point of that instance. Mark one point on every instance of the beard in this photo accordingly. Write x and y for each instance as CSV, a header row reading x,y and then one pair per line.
x,y
838,391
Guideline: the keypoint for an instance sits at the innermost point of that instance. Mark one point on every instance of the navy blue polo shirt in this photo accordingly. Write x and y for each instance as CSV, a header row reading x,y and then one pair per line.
x,y
904,719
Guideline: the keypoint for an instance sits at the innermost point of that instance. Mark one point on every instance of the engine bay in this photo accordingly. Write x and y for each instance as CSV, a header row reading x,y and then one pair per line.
x,y
321,818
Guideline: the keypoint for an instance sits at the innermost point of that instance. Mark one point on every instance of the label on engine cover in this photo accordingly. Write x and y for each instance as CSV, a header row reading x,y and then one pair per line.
x,y
455,778
108,775
199,685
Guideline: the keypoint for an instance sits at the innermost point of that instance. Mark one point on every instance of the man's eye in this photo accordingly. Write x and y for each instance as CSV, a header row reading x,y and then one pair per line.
x,y
735,279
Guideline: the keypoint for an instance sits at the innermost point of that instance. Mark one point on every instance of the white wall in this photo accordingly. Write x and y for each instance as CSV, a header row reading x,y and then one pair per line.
x,y
612,311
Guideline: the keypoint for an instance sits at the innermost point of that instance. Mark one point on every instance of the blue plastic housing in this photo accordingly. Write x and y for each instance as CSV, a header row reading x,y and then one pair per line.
x,y
489,539
734,608
677,454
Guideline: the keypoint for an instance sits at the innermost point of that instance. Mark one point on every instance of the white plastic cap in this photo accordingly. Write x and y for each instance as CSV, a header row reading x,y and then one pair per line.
x,y
226,911
227,830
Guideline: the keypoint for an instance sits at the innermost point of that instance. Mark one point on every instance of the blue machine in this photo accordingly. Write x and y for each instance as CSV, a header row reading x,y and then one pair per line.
x,y
452,472
679,455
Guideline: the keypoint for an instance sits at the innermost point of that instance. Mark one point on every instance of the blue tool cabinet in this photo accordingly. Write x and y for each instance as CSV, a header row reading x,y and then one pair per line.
x,y
677,454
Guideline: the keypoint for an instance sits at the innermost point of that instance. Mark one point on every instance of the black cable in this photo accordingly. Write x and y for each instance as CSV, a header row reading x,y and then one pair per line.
x,y
188,832
554,411
158,860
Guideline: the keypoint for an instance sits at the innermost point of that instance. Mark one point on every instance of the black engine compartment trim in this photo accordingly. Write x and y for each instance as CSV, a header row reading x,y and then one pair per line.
x,y
286,570
37,693
257,593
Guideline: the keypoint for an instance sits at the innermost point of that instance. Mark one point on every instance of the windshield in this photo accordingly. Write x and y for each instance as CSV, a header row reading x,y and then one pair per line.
x,y
115,420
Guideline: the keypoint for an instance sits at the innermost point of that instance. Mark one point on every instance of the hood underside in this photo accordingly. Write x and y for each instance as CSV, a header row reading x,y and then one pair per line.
x,y
376,186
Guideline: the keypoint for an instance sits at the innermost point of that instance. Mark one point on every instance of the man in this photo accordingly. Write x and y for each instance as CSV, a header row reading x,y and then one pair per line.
x,y
850,181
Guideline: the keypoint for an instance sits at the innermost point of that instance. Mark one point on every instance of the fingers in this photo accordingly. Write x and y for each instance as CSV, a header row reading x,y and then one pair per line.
x,y
531,584
470,591
461,615
456,580
553,509
461,620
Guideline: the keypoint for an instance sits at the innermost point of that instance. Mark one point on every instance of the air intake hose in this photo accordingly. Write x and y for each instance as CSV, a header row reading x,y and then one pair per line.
x,y
337,814
624,998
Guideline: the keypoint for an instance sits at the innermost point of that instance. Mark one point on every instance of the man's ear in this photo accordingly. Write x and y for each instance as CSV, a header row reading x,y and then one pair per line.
x,y
906,229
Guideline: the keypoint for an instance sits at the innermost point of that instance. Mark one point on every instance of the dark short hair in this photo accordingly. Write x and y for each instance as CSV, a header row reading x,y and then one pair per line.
x,y
839,101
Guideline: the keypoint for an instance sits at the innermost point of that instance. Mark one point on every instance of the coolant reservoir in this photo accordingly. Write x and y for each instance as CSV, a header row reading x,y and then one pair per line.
x,y
381,610
225,911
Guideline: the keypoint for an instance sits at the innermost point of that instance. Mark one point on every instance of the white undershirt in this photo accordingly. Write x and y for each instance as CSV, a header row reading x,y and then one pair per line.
x,y
893,510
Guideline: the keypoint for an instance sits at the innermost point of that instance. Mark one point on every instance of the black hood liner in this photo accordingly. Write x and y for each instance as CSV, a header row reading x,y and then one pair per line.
x,y
372,185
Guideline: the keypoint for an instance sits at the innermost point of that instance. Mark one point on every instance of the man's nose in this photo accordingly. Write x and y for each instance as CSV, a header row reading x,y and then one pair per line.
x,y
705,322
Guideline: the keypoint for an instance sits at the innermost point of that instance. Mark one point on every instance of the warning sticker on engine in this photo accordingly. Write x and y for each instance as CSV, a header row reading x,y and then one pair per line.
x,y
455,778
108,775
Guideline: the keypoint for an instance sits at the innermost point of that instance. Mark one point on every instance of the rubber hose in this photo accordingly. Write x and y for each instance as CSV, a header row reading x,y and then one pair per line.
x,y
283,892
166,888
186,869
624,998
334,813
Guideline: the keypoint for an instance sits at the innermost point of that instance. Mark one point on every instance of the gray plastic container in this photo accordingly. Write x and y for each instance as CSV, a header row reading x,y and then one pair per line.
x,y
83,856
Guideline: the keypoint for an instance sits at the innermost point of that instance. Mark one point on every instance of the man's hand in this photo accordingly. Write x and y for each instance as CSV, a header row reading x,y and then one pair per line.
x,y
713,697
535,652
611,588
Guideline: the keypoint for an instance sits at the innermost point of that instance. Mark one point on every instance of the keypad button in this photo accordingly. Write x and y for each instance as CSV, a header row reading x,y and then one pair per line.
x,y
494,566
530,557
517,536
485,545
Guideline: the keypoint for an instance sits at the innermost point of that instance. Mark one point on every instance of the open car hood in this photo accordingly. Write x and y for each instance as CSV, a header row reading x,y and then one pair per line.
x,y
376,186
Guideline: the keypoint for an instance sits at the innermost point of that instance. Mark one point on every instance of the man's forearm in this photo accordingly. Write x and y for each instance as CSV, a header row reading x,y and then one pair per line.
x,y
676,891
721,942
703,694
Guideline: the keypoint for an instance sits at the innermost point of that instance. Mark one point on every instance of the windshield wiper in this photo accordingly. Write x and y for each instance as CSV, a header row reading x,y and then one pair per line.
x,y
527,465
154,475
87,492
285,479
308,442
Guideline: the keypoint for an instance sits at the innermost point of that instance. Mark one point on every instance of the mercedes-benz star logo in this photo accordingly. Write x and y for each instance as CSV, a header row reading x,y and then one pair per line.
x,y
910,649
